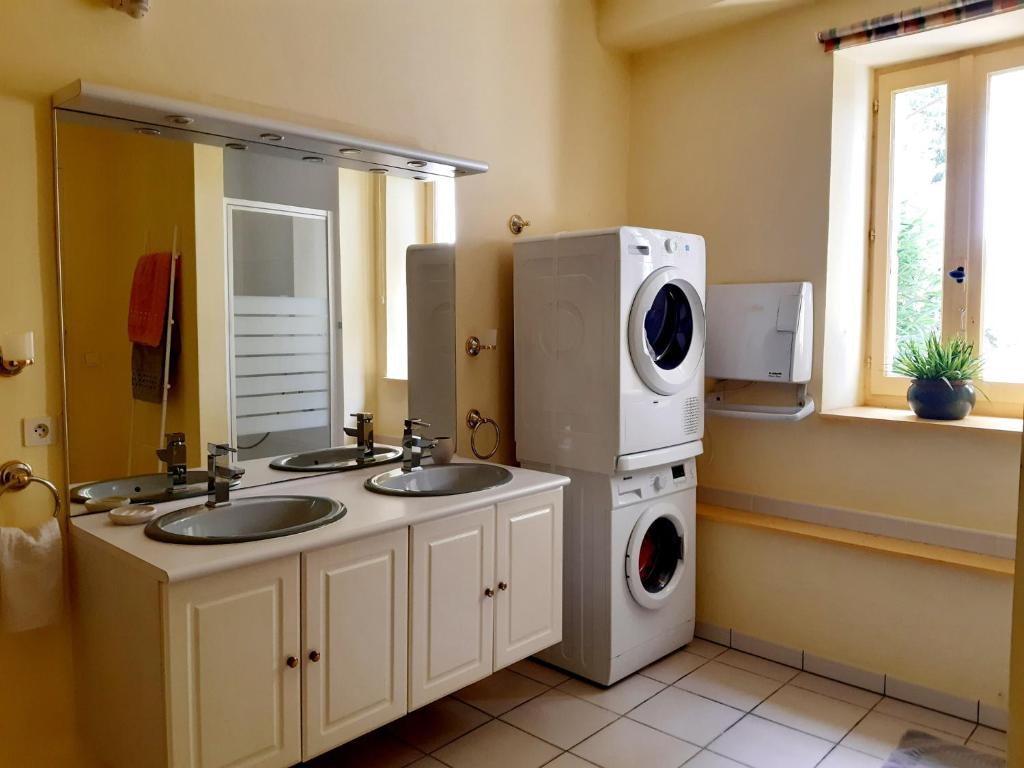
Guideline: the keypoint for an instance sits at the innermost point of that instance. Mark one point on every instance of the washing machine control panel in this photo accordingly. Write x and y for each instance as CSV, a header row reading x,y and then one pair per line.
x,y
631,487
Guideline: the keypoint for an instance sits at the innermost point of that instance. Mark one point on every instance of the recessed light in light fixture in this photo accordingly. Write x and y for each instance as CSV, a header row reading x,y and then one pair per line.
x,y
180,119
416,163
420,178
236,145
378,170
148,131
313,159
348,151
271,137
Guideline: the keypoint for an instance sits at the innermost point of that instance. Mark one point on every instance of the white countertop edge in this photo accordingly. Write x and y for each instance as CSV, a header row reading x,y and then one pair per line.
x,y
367,514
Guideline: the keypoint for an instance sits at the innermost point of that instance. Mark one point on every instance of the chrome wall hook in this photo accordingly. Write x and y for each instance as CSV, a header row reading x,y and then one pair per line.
x,y
516,224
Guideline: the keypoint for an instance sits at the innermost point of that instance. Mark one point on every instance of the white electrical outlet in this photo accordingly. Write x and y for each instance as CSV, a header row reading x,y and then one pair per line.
x,y
37,431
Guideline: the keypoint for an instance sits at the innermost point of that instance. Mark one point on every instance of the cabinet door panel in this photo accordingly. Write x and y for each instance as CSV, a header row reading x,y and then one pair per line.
x,y
528,612
356,611
234,700
452,619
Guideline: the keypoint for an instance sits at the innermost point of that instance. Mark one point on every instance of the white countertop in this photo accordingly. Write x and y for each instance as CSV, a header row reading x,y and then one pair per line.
x,y
367,514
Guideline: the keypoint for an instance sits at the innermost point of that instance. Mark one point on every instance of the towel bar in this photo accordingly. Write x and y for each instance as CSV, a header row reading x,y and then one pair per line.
x,y
17,476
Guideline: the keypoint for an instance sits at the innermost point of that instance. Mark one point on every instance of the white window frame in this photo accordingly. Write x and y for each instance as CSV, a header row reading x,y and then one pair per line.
x,y
966,75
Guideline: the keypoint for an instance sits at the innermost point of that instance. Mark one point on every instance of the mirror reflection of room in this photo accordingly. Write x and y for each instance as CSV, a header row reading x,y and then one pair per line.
x,y
263,299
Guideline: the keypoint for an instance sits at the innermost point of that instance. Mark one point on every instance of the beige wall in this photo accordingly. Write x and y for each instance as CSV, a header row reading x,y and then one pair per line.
x,y
731,138
1017,660
122,195
522,84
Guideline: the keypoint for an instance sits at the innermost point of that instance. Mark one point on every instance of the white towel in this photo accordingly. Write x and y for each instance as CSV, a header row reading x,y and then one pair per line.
x,y
31,577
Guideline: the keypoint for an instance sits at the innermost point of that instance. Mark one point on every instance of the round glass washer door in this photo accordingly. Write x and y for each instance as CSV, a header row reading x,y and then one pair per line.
x,y
655,555
666,331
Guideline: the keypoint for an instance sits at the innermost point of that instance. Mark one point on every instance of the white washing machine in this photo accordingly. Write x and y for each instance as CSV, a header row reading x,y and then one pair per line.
x,y
609,348
629,576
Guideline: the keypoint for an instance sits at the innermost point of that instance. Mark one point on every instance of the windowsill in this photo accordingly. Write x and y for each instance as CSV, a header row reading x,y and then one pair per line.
x,y
901,416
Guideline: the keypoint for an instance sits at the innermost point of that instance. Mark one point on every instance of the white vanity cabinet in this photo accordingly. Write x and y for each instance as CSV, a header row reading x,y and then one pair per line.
x,y
266,664
232,666
355,620
486,592
256,680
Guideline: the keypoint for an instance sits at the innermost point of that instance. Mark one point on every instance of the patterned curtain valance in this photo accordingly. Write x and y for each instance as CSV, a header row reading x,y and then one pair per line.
x,y
913,20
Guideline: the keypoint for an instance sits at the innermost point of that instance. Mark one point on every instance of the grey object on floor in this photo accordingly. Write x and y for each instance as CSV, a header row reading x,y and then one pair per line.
x,y
922,750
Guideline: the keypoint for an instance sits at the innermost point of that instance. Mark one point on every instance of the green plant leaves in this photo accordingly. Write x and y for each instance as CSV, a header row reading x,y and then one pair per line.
x,y
951,361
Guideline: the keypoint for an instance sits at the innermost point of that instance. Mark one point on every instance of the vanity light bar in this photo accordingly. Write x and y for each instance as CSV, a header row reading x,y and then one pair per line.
x,y
91,103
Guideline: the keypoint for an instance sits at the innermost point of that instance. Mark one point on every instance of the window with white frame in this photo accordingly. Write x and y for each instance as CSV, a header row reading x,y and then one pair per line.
x,y
948,218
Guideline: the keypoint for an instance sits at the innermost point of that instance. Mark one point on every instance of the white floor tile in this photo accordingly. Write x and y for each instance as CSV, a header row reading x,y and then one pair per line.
x,y
686,716
710,760
437,724
627,744
757,665
674,666
705,648
569,760
729,685
811,712
763,744
539,672
989,737
619,698
928,717
377,749
500,692
559,718
841,757
427,762
836,690
879,734
497,745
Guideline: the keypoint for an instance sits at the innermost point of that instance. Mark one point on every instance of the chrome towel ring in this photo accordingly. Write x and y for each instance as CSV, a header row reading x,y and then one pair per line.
x,y
17,476
475,421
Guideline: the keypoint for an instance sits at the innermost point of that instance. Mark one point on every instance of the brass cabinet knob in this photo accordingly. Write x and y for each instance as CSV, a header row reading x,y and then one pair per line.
x,y
488,592
502,586
314,656
292,662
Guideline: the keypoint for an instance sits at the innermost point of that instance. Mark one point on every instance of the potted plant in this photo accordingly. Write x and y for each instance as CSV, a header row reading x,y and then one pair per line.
x,y
942,373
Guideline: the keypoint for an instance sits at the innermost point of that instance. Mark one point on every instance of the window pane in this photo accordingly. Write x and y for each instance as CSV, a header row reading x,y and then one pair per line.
x,y
1002,337
917,229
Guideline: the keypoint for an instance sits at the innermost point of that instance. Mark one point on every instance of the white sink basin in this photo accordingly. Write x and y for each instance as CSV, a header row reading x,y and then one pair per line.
x,y
439,480
264,517
145,489
336,459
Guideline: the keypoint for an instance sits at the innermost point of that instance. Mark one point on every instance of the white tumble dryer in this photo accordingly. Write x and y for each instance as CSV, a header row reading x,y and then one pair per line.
x,y
609,348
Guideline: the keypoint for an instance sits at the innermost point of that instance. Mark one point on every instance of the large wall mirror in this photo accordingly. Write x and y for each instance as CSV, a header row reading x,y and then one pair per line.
x,y
241,296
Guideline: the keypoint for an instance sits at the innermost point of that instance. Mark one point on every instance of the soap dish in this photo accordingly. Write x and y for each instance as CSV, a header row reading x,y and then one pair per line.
x,y
107,503
134,515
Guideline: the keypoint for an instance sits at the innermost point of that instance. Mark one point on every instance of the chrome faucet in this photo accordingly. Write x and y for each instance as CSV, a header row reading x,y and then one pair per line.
x,y
363,433
413,445
175,456
219,474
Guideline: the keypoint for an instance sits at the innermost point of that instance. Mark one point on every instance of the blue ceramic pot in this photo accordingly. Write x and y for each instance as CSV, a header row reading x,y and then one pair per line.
x,y
936,399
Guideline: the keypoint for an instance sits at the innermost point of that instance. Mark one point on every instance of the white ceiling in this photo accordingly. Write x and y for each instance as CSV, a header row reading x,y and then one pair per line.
x,y
636,24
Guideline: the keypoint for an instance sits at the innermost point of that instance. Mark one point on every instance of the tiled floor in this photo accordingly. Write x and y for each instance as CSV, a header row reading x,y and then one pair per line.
x,y
702,707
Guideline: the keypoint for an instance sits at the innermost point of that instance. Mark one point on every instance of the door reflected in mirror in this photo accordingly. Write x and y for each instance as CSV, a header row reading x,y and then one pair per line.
x,y
241,297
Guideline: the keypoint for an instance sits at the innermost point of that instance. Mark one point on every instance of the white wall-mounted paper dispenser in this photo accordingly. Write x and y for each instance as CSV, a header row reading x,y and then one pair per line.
x,y
760,332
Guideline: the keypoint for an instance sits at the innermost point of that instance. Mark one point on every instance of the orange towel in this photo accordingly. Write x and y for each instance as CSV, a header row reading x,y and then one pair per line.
x,y
147,311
